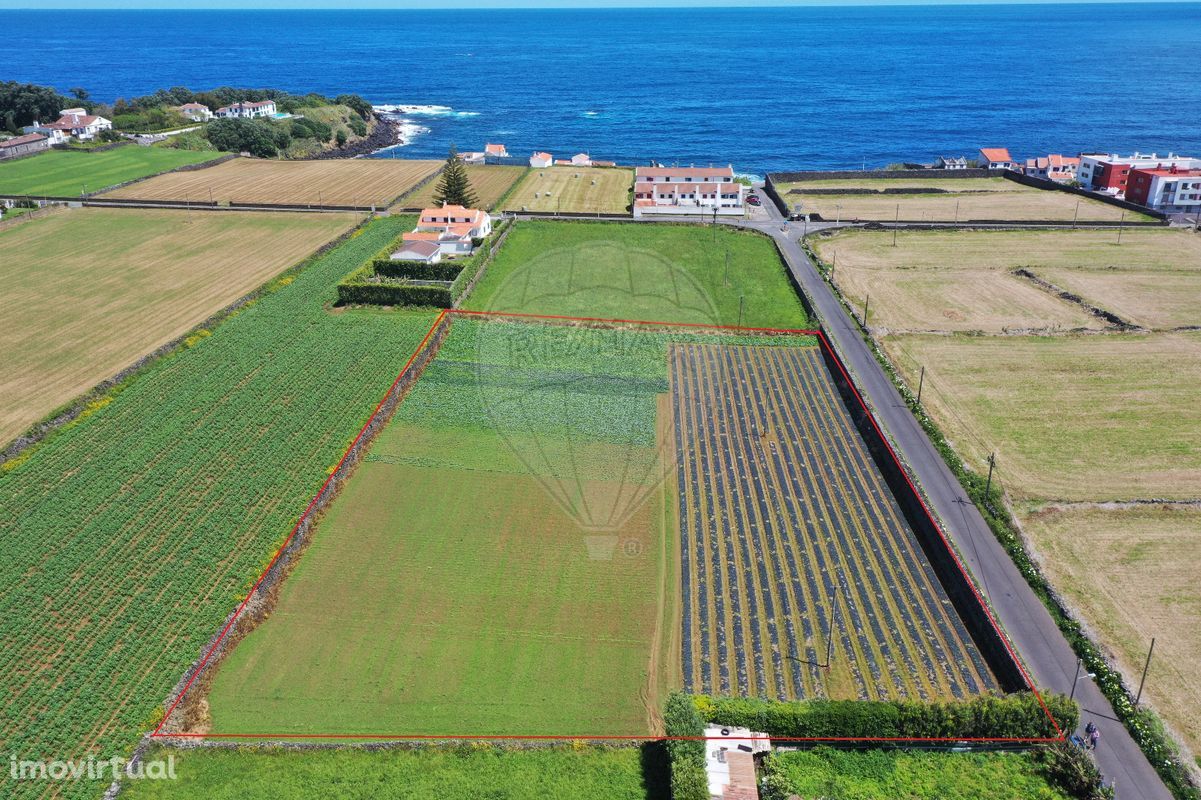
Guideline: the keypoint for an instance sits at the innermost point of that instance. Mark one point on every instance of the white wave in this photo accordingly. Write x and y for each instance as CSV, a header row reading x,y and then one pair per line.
x,y
591,114
404,110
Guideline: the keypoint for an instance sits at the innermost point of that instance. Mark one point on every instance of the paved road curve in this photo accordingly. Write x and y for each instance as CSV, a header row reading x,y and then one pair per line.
x,y
1047,655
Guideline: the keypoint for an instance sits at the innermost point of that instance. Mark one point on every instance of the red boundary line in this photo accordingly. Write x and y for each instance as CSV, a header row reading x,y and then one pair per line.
x,y
825,343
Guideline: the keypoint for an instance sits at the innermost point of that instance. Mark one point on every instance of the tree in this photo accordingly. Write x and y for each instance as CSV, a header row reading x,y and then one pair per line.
x,y
29,102
454,186
341,137
79,93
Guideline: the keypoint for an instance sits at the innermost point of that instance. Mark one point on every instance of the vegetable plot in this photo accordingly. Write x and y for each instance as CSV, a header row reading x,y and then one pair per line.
x,y
793,549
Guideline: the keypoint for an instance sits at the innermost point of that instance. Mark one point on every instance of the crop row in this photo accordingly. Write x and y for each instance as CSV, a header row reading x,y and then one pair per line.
x,y
129,535
793,549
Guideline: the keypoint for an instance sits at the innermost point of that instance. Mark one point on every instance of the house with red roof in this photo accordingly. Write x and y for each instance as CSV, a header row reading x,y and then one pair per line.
x,y
1061,169
76,122
452,229
539,160
997,158
197,112
687,190
496,150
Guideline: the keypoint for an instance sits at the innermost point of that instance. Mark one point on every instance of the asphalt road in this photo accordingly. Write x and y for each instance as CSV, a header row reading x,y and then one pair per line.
x,y
1046,653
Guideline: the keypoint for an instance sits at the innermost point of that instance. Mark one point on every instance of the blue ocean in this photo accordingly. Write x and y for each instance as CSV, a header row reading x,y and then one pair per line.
x,y
764,89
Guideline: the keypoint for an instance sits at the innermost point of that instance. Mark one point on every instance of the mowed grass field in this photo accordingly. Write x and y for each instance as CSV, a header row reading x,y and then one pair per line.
x,y
489,183
1070,417
470,772
976,199
964,281
674,273
497,565
90,291
1131,572
341,182
604,190
60,173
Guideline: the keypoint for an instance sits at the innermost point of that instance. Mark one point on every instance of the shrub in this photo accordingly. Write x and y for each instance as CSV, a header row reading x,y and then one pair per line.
x,y
341,137
687,757
1073,769
363,287
1011,716
358,126
419,270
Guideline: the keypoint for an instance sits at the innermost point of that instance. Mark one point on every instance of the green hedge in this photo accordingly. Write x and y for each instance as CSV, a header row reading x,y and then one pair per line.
x,y
989,717
357,288
687,756
420,270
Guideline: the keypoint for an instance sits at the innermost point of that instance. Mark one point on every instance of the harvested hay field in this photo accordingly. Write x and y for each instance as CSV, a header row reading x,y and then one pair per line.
x,y
339,182
1010,202
591,190
489,182
902,184
963,281
89,291
1131,574
785,518
1076,418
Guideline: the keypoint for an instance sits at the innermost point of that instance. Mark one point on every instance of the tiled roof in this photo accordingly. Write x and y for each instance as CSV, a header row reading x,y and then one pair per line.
x,y
20,140
684,172
996,154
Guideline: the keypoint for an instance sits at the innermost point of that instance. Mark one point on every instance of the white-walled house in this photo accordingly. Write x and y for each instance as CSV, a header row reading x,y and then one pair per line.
x,y
687,190
496,150
581,160
451,228
424,250
474,157
24,145
263,108
997,158
197,112
76,122
540,160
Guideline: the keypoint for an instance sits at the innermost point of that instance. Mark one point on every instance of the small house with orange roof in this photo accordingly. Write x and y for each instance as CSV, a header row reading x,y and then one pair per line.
x,y
1055,167
540,159
997,158
496,150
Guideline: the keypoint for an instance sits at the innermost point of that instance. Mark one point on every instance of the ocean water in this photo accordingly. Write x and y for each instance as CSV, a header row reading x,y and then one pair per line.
x,y
764,89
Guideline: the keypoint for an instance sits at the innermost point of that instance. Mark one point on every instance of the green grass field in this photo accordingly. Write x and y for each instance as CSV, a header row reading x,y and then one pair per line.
x,y
495,566
661,272
471,772
157,510
906,775
69,174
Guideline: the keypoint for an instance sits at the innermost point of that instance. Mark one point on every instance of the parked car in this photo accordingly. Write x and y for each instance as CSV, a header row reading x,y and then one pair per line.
x,y
753,199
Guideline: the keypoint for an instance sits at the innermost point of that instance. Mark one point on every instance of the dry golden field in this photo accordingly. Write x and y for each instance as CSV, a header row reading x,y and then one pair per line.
x,y
591,190
89,291
1080,418
489,182
1131,573
341,182
964,281
977,199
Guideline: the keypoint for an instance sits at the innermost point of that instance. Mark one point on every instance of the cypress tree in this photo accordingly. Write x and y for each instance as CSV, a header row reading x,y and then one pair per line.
x,y
454,187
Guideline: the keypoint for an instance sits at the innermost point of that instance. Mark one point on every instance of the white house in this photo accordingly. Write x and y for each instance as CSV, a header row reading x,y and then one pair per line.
x,y
1054,167
997,158
496,151
197,112
419,250
540,160
451,228
473,157
581,160
951,162
687,190
75,122
263,108
730,761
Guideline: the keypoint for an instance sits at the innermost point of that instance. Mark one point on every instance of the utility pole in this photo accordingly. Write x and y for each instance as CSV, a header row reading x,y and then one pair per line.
x,y
837,213
1076,215
992,461
896,223
1146,667
866,299
833,265
740,299
921,381
956,212
1121,224
1076,680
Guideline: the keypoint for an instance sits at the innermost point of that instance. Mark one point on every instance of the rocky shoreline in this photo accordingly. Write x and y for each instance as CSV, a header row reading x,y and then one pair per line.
x,y
386,134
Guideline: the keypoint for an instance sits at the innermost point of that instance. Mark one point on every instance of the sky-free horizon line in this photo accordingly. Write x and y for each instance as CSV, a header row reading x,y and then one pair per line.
x,y
518,5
